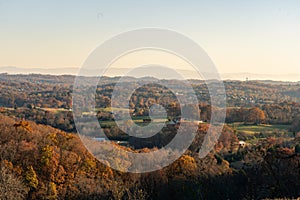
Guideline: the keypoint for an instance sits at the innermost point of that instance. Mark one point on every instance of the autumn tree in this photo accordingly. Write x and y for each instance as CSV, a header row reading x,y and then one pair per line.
x,y
255,116
31,180
24,125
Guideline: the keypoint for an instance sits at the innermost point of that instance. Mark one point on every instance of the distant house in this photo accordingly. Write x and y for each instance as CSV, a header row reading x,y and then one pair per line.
x,y
242,144
122,143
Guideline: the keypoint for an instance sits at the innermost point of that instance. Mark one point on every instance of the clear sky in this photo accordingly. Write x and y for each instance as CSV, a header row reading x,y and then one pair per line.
x,y
256,36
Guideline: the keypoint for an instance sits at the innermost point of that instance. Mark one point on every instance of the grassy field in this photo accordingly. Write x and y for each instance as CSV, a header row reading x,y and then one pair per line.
x,y
251,133
109,109
138,120
55,110
253,129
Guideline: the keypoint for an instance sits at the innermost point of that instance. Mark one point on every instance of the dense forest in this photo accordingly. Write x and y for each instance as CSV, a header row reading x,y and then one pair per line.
x,y
40,162
257,155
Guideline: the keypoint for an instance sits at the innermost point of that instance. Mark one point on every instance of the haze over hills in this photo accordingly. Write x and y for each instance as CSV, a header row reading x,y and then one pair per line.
x,y
156,72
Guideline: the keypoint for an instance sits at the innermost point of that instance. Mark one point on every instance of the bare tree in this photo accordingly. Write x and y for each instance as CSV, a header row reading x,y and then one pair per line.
x,y
11,187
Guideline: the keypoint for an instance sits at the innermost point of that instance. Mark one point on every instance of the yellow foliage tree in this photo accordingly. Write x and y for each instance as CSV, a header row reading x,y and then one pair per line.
x,y
31,179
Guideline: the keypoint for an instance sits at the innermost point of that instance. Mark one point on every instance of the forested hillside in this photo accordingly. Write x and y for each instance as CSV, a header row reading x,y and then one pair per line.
x,y
257,155
40,162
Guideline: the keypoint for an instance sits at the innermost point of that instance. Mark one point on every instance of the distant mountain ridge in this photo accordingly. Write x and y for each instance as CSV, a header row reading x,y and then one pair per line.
x,y
155,72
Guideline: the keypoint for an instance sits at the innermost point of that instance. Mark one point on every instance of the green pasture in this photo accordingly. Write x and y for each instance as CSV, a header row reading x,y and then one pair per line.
x,y
252,133
262,128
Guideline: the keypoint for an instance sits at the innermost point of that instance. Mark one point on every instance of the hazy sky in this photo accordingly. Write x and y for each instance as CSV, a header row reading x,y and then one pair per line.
x,y
257,36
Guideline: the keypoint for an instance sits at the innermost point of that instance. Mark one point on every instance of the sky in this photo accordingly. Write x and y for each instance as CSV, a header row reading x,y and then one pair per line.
x,y
255,36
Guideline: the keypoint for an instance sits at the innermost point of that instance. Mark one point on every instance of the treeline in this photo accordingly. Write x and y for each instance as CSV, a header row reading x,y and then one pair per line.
x,y
62,120
56,92
283,113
